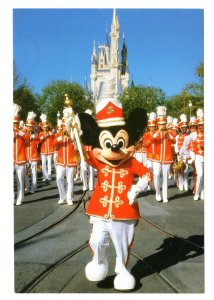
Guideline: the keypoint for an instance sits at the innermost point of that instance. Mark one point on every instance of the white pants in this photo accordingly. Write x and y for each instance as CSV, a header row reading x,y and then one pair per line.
x,y
65,193
46,166
183,180
88,177
141,157
199,166
55,155
121,234
33,167
20,182
157,169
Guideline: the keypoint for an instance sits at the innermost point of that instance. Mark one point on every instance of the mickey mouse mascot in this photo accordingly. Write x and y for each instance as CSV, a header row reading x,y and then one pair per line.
x,y
112,207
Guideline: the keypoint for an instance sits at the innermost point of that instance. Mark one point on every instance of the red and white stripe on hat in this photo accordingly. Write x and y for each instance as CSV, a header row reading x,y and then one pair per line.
x,y
109,112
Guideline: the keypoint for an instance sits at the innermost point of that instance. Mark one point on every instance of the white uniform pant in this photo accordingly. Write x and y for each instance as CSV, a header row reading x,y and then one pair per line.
x,y
33,167
88,177
46,166
121,234
141,157
159,168
55,155
19,169
68,192
199,166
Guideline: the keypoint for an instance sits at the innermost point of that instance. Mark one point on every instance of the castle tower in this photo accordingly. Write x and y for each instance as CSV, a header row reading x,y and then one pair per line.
x,y
107,62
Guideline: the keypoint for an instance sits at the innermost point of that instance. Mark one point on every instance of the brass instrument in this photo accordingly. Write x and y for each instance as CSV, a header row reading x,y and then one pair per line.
x,y
79,153
179,166
139,144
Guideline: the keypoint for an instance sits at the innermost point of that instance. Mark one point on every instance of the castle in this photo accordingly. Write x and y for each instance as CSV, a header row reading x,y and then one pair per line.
x,y
107,62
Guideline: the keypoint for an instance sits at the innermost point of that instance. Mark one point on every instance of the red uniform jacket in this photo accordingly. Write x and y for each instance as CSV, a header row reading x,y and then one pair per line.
x,y
148,142
163,148
46,140
109,199
31,148
19,156
180,140
66,152
198,144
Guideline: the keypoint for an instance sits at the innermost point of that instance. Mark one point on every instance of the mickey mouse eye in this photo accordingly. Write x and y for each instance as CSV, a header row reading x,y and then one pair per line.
x,y
121,143
108,143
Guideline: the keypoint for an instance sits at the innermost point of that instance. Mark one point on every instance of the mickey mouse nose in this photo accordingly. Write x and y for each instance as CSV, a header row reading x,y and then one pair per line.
x,y
115,147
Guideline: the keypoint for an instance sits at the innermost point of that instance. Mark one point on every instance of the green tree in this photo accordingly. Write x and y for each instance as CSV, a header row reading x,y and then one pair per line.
x,y
24,97
140,96
52,99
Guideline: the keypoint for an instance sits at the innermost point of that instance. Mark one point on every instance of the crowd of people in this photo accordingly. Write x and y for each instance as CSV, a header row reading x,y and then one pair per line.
x,y
170,148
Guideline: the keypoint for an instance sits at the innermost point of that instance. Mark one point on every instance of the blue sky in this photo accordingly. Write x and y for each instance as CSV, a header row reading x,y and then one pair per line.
x,y
164,45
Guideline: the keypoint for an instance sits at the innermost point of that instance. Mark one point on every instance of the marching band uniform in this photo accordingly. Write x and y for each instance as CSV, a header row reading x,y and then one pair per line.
x,y
148,142
46,150
191,161
183,179
197,137
66,164
109,208
87,172
32,153
163,155
19,156
59,130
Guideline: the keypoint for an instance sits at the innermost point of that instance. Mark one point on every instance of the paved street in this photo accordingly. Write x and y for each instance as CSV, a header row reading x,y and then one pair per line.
x,y
167,255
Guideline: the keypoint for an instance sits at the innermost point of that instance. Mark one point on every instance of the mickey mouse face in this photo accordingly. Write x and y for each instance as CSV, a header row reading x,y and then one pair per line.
x,y
113,148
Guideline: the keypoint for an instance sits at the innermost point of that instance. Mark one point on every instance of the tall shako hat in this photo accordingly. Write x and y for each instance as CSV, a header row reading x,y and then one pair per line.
x,y
192,121
59,124
109,111
30,119
169,121
161,115
43,118
16,109
183,122
200,116
152,119
175,123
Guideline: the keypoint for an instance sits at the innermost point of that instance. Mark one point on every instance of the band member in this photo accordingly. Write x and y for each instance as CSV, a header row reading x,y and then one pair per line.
x,y
59,130
197,137
148,142
65,165
182,154
163,155
191,161
19,156
32,153
46,150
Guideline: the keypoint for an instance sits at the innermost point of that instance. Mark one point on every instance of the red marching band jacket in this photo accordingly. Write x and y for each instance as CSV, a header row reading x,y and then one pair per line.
x,y
19,155
66,152
31,149
109,199
198,144
180,139
46,140
163,147
148,142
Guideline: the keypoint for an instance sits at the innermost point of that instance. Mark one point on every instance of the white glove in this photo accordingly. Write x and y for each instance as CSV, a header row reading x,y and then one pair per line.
x,y
59,138
155,135
21,133
133,193
32,137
